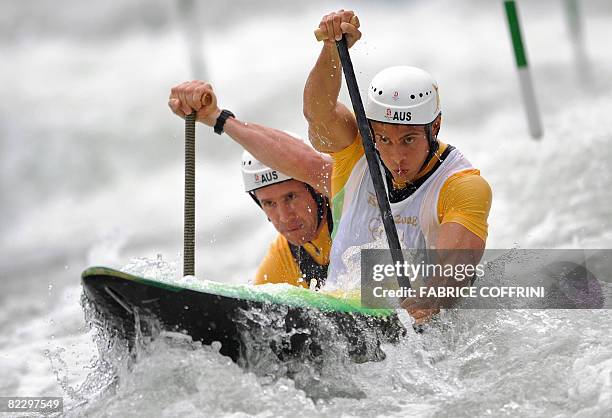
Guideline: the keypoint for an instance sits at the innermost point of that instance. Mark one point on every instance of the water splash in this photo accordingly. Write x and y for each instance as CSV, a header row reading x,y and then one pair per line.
x,y
154,268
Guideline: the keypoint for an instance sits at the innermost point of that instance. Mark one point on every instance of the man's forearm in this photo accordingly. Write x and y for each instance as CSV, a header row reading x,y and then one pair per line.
x,y
323,86
282,152
331,126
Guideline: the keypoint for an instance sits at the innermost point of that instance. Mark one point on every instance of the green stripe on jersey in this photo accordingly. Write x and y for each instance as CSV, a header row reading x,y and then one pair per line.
x,y
337,206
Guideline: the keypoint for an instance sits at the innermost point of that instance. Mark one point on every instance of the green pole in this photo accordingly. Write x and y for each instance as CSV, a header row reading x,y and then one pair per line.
x,y
515,34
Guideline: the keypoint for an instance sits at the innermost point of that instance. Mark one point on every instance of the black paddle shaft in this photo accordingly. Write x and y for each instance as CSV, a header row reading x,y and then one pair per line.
x,y
189,227
371,157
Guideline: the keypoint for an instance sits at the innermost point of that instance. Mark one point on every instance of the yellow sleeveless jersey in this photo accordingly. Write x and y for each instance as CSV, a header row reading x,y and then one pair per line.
x,y
465,197
279,265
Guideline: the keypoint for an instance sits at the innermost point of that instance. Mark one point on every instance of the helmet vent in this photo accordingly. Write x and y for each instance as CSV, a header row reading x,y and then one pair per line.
x,y
379,92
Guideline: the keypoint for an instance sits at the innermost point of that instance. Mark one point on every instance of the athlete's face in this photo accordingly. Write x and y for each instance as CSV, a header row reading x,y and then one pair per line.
x,y
291,209
402,148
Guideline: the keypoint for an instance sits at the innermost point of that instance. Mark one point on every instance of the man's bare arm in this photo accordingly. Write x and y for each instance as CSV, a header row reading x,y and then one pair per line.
x,y
284,153
454,236
455,245
331,125
272,147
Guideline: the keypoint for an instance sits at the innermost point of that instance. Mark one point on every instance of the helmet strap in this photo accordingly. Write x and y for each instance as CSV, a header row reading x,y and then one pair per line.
x,y
433,143
252,194
320,201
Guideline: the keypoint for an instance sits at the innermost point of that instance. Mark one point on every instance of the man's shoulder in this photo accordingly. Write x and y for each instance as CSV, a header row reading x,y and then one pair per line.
x,y
279,244
344,161
277,265
354,149
467,179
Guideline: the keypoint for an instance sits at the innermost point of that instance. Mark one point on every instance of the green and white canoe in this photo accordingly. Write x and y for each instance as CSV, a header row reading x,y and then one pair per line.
x,y
236,315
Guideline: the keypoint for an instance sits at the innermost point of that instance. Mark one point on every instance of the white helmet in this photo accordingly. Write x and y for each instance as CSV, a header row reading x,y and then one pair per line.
x,y
256,175
403,95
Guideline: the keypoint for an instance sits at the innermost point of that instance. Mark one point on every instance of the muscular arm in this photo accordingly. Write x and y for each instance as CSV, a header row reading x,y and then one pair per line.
x,y
456,245
463,209
272,147
465,201
454,236
331,125
283,152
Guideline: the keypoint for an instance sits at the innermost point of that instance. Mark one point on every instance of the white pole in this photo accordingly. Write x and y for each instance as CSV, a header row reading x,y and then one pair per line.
x,y
529,99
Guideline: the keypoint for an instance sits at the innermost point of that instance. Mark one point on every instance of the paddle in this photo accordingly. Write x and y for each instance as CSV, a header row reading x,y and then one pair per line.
x,y
371,157
189,222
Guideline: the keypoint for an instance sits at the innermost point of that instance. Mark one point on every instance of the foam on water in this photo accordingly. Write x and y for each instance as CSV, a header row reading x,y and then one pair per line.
x,y
466,363
517,361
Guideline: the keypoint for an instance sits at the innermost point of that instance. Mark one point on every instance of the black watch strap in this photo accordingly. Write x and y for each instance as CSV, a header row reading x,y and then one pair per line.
x,y
220,123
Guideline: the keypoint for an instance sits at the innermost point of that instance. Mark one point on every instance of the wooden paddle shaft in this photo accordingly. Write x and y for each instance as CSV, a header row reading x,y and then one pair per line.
x,y
189,225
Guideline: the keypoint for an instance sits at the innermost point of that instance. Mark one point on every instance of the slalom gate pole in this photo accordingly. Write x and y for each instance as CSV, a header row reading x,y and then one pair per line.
x,y
574,24
189,221
520,54
371,157
191,26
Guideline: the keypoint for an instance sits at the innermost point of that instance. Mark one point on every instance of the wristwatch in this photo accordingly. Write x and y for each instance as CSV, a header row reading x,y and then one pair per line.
x,y
220,123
